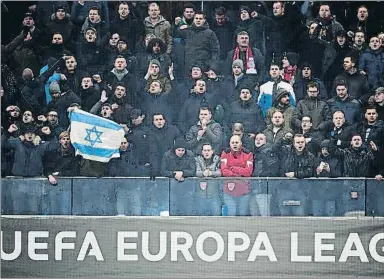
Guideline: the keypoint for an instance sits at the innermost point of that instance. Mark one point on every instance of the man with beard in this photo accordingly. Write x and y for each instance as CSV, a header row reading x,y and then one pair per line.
x,y
164,134
312,106
276,132
371,63
236,162
269,89
358,86
224,30
119,74
123,50
281,103
304,77
363,23
154,74
89,52
201,44
156,49
127,25
72,73
51,120
60,23
246,111
372,129
29,151
205,131
253,60
156,101
158,25
332,63
207,196
103,108
89,93
12,116
346,103
61,161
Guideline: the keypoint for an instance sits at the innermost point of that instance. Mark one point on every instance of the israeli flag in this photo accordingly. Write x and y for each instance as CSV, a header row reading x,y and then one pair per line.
x,y
95,138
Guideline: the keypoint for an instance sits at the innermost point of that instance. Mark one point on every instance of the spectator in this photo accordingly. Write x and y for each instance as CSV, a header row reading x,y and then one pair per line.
x,y
379,102
281,103
363,23
207,194
127,25
304,77
178,162
371,63
164,135
157,25
290,62
89,93
372,129
246,111
358,86
339,130
72,73
154,73
57,48
253,60
205,131
157,101
156,49
329,164
60,23
95,21
89,52
312,137
266,158
82,9
314,107
349,105
51,120
45,10
358,45
201,44
269,89
123,50
276,132
236,162
121,104
327,24
29,151
224,30
31,93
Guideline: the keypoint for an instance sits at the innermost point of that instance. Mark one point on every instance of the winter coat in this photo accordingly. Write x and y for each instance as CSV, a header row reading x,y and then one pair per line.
x,y
302,165
351,107
311,50
335,166
266,161
145,58
372,62
126,165
201,46
143,141
89,97
248,113
129,28
102,31
332,62
45,10
316,137
358,86
163,140
90,57
171,163
80,12
92,168
236,164
65,27
376,133
156,103
357,162
318,110
122,113
214,166
166,83
213,135
162,29
66,164
32,96
130,83
190,109
224,34
28,157
341,136
259,65
256,30
232,87
276,138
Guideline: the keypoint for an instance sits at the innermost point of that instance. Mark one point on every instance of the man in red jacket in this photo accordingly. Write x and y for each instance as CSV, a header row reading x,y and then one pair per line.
x,y
236,162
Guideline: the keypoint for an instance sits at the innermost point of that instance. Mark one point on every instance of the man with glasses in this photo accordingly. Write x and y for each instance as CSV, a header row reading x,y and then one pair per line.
x,y
312,106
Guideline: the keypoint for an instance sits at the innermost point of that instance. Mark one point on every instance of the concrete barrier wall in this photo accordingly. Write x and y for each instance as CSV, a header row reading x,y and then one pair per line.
x,y
194,196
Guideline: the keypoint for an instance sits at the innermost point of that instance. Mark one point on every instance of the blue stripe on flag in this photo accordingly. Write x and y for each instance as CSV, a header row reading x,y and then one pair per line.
x,y
95,151
93,120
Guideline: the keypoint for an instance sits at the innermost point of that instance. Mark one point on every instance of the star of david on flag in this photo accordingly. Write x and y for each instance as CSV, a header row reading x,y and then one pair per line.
x,y
95,138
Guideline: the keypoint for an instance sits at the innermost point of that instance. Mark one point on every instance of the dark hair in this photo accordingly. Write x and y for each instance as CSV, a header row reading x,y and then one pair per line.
x,y
220,10
206,143
370,107
189,6
95,8
275,63
201,79
158,113
120,84
205,108
307,115
313,84
341,82
200,13
120,56
281,2
155,41
339,110
362,6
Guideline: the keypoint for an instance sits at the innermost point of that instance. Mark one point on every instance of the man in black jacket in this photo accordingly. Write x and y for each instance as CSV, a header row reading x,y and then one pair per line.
x,y
223,29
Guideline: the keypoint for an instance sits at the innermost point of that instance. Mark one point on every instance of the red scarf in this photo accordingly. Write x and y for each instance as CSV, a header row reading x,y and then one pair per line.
x,y
289,73
250,63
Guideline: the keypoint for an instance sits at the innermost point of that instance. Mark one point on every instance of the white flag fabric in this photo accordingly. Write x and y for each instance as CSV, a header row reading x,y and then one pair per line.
x,y
95,138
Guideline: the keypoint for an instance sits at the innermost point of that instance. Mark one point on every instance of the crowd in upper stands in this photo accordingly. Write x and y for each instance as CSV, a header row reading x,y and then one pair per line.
x,y
294,94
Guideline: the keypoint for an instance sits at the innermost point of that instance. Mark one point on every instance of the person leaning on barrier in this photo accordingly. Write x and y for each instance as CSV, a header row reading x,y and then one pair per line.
x,y
236,162
329,164
178,162
265,157
207,193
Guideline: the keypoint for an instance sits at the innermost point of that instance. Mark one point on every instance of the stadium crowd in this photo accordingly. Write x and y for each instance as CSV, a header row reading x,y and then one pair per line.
x,y
288,95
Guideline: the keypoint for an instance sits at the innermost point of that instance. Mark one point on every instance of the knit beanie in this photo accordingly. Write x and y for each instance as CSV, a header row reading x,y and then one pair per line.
x,y
54,87
238,63
180,143
155,62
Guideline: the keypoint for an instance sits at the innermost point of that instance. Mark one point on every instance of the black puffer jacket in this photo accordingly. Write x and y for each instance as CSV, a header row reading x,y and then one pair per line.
x,y
171,163
126,165
358,86
201,45
129,28
266,162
